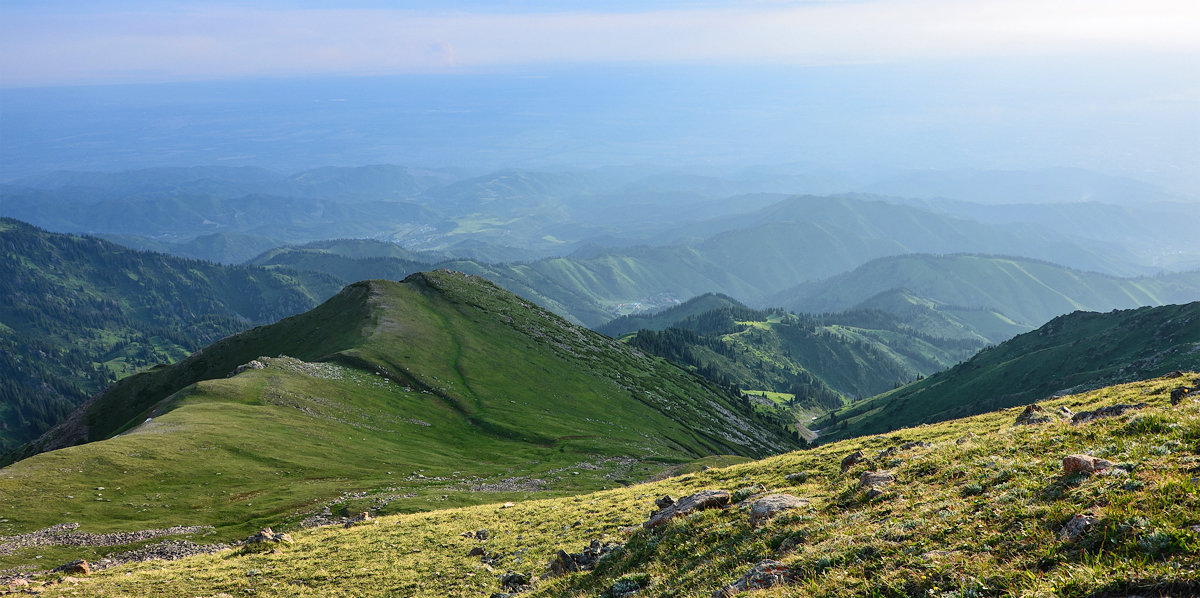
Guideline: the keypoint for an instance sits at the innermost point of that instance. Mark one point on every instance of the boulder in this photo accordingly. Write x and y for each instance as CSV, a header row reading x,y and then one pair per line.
x,y
873,481
765,574
267,536
664,501
1084,464
81,567
704,499
514,582
771,505
1179,393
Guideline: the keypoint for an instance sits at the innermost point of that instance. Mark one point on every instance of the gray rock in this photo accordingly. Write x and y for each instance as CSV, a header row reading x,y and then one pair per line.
x,y
849,460
704,499
1076,527
1032,415
765,574
1084,417
771,505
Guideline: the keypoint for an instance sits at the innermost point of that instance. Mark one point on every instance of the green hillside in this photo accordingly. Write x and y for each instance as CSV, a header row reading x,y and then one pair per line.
x,y
81,312
223,248
823,360
1079,351
973,507
441,390
987,290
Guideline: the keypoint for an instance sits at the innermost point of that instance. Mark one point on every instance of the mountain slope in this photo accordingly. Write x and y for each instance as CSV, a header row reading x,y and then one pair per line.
x,y
1082,350
444,375
975,507
1027,292
668,317
81,312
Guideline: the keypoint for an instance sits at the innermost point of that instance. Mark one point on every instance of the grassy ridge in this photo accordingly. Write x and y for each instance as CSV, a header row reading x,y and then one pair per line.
x,y
444,389
976,511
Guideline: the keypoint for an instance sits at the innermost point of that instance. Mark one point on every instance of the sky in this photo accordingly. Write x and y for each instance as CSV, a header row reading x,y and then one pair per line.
x,y
1107,85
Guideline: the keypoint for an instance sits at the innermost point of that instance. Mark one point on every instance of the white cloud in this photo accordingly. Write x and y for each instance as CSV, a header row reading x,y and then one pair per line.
x,y
43,48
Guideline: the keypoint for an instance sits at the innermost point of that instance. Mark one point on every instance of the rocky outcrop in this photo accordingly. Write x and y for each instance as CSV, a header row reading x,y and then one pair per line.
x,y
80,567
586,560
1084,417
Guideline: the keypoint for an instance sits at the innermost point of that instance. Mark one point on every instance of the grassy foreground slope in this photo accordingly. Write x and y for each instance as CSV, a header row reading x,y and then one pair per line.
x,y
440,390
977,509
1075,352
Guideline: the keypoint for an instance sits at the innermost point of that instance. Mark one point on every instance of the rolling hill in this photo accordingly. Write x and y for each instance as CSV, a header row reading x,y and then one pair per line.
x,y
1071,353
81,312
440,390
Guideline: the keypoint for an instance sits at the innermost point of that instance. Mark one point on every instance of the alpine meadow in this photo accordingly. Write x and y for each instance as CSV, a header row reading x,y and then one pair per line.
x,y
885,298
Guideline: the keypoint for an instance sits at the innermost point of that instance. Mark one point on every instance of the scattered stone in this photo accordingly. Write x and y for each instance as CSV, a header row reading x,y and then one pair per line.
x,y
1084,464
81,567
664,501
253,364
1065,413
1084,417
1076,527
766,574
514,582
704,499
851,459
771,505
914,444
1032,415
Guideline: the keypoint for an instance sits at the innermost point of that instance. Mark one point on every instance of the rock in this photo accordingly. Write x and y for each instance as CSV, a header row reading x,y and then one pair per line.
x,y
704,499
477,551
797,478
663,502
562,564
1179,393
746,492
851,459
18,582
1065,413
1084,417
873,481
253,364
1076,527
765,574
81,567
514,582
771,505
1084,464
1033,414
508,505
914,444
481,534
267,536
885,453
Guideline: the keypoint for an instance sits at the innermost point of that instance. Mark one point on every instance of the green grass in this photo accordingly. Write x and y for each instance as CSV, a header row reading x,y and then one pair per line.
x,y
977,512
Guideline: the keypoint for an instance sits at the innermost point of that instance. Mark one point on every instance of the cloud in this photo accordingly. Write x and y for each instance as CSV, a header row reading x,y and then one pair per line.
x,y
199,42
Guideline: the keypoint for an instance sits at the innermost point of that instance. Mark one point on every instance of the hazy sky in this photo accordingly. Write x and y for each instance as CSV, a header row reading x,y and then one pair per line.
x,y
58,42
1102,84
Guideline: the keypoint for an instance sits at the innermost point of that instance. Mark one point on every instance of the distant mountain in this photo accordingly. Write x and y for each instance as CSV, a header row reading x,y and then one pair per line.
x,y
1071,353
442,389
1049,185
222,248
80,312
992,295
668,317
